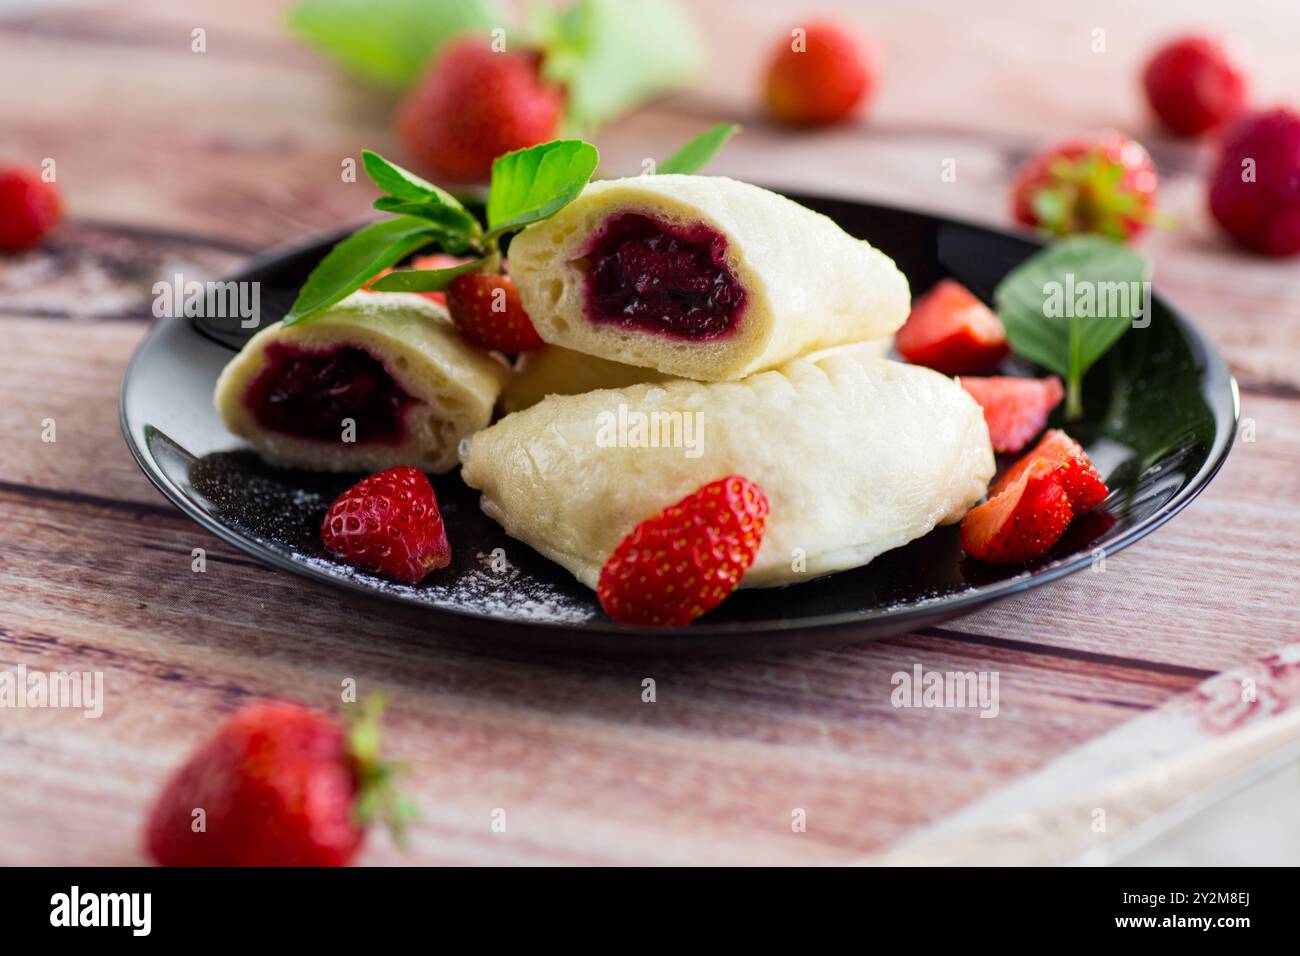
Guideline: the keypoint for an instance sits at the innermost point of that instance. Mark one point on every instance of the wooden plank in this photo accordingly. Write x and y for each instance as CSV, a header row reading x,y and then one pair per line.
x,y
710,772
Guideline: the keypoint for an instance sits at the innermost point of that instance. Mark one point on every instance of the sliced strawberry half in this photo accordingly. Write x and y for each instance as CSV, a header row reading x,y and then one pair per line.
x,y
1020,524
1081,480
1015,409
952,332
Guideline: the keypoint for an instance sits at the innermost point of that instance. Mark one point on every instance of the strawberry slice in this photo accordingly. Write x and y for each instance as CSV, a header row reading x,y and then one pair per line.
x,y
952,332
1081,480
1015,409
389,524
486,308
1022,523
438,260
686,560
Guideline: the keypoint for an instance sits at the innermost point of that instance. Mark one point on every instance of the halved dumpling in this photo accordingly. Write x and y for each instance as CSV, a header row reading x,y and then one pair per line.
x,y
701,277
381,379
857,455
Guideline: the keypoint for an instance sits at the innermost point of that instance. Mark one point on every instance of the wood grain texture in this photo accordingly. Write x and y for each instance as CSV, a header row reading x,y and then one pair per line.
x,y
174,161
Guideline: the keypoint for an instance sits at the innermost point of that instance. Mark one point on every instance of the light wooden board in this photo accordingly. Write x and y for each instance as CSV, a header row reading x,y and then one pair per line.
x,y
175,161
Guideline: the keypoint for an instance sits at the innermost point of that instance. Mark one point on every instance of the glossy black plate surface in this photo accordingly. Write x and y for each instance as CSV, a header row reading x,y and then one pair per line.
x,y
1161,413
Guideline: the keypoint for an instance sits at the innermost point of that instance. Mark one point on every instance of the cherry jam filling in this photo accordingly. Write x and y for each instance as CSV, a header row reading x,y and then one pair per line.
x,y
309,394
648,274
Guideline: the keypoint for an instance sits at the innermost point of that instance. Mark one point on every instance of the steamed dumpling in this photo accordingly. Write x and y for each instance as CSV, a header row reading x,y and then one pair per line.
x,y
386,370
701,277
857,455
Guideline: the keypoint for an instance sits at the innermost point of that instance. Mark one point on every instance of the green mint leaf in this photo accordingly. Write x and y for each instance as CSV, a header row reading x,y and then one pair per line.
x,y
612,54
356,260
424,280
531,184
404,184
1064,307
388,44
455,235
694,155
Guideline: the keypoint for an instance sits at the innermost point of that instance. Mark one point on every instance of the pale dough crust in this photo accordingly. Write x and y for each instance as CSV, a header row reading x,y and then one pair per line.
x,y
857,455
454,383
809,284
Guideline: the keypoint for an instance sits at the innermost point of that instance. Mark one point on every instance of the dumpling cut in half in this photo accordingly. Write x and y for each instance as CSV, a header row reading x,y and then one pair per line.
x,y
381,379
701,277
857,455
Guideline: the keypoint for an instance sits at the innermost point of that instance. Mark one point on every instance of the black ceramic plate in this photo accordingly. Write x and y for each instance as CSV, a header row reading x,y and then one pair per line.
x,y
1161,409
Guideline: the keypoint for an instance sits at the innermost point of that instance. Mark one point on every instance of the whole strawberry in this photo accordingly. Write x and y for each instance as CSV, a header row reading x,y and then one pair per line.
x,y
388,524
278,784
473,105
487,310
1105,185
1255,186
686,560
818,75
29,208
1194,85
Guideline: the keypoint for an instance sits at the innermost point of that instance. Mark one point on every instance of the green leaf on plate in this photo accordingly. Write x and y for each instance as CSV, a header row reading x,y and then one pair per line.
x,y
404,184
1064,307
356,260
423,280
455,235
531,184
694,155
611,54
388,43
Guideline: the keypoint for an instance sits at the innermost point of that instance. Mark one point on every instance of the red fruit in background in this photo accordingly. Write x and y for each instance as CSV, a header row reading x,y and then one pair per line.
x,y
1015,409
1104,185
486,308
1255,186
279,785
29,208
388,524
952,332
686,560
1194,85
1080,479
1022,523
438,260
820,77
472,106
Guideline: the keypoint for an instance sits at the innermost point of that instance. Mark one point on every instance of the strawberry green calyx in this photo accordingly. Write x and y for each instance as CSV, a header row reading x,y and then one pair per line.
x,y
377,797
1089,195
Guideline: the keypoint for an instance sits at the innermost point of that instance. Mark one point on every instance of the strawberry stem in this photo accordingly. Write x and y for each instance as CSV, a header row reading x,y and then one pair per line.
x,y
377,798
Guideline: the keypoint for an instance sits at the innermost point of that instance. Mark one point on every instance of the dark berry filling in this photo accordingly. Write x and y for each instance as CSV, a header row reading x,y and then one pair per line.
x,y
310,393
647,274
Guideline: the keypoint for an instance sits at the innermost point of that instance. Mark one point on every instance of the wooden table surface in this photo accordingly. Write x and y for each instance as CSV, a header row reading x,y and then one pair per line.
x,y
172,160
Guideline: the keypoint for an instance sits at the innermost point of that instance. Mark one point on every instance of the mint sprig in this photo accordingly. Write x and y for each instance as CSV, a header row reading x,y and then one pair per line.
x,y
697,152
1063,308
528,185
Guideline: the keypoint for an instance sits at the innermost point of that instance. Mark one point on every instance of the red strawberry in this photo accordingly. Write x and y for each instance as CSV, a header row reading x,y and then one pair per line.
x,y
278,784
1105,185
388,524
438,260
29,208
486,308
1015,409
953,332
820,76
684,561
1194,85
1255,187
473,105
1080,479
1022,523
